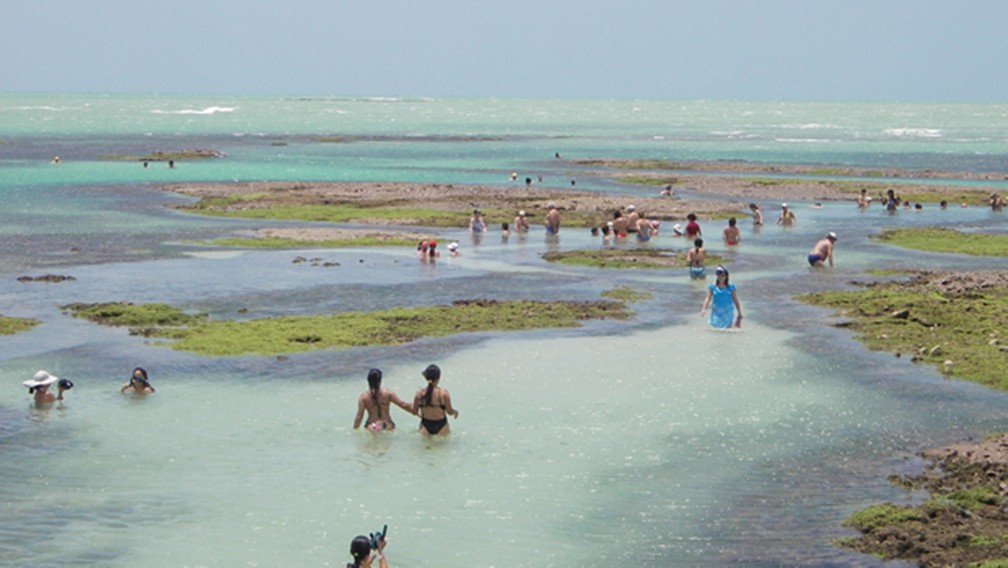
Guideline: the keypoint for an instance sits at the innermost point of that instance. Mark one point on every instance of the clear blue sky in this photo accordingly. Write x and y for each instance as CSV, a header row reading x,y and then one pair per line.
x,y
873,50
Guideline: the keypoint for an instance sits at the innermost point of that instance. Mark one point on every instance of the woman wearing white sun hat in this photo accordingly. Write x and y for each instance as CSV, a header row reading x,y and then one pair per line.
x,y
39,387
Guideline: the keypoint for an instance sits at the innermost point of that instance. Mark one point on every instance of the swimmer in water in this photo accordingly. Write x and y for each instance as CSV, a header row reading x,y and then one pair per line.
x,y
377,401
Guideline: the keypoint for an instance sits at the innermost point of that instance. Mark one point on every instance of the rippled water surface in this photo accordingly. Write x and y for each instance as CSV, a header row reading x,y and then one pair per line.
x,y
653,441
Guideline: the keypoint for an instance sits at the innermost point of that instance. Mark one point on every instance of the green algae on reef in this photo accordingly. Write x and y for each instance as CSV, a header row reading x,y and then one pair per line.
x,y
956,322
10,326
626,294
290,334
939,239
625,258
159,156
133,315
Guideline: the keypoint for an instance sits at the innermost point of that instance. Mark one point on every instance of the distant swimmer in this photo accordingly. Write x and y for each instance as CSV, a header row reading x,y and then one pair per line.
x,y
822,251
552,221
55,160
787,216
514,176
376,401
521,222
732,235
757,215
863,199
138,383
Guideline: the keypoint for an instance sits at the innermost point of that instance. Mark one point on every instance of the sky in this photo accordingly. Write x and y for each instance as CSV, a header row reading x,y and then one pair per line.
x,y
828,50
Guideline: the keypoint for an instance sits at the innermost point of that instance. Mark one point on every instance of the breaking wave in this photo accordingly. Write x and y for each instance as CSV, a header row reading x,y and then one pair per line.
x,y
208,110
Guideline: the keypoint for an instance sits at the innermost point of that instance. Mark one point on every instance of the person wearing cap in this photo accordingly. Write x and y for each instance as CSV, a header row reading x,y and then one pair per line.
x,y
476,222
377,401
453,248
427,249
552,219
632,218
39,387
787,216
723,301
433,404
822,251
138,383
364,556
521,222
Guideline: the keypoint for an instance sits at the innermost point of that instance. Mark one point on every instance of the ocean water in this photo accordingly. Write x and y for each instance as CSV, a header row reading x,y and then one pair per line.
x,y
653,441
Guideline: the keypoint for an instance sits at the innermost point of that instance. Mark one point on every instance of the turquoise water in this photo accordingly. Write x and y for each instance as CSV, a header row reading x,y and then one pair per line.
x,y
653,441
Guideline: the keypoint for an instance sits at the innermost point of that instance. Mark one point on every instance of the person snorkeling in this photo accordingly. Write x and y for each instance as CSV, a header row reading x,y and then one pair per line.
x,y
138,383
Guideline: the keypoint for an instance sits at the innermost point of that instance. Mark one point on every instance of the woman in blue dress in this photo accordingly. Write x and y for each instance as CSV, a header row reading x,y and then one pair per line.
x,y
723,301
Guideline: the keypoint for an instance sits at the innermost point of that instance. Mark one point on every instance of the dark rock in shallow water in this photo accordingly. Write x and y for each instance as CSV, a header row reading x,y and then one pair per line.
x,y
46,278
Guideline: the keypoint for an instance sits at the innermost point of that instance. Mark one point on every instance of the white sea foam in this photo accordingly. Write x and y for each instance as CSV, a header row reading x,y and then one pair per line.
x,y
208,110
914,132
802,140
40,107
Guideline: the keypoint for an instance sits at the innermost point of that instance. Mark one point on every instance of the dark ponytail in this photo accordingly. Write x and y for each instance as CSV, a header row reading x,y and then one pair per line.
x,y
374,383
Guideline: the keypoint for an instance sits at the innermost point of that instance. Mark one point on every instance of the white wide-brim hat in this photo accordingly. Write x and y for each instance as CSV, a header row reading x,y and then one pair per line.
x,y
41,379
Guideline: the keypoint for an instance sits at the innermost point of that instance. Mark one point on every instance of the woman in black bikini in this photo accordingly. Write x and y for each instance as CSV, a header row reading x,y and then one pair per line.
x,y
377,401
433,404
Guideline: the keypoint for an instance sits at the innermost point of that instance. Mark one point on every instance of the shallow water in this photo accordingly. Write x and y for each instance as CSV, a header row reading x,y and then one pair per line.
x,y
653,441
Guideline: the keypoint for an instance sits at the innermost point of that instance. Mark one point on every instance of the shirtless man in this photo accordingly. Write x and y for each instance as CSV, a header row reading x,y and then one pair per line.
x,y
822,251
632,218
619,225
552,220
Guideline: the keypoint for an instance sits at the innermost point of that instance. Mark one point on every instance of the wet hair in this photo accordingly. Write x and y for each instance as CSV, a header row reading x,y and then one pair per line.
x,y
731,221
374,384
360,548
698,242
691,217
753,206
432,373
143,377
617,214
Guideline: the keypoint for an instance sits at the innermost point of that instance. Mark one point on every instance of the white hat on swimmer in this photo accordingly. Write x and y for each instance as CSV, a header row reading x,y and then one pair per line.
x,y
831,235
783,205
630,208
453,246
521,213
41,379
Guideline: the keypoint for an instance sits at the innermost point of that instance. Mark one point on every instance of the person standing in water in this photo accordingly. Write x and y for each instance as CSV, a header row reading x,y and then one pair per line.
x,y
377,401
787,216
695,260
433,404
757,215
138,383
723,301
38,387
552,219
476,223
822,251
732,236
521,222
